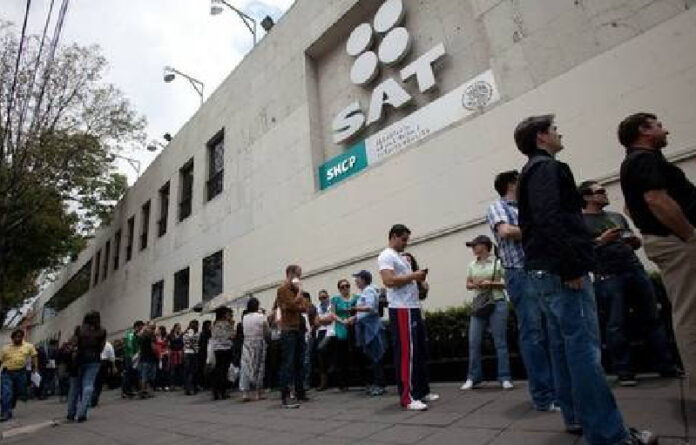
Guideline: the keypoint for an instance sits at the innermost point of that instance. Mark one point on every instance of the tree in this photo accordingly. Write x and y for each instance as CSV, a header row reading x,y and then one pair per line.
x,y
60,126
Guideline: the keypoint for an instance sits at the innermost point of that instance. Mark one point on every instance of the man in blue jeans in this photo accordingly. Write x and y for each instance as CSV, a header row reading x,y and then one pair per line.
x,y
533,336
558,256
14,358
620,282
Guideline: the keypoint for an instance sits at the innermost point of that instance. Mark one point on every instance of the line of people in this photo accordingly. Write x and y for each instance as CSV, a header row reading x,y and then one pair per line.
x,y
557,248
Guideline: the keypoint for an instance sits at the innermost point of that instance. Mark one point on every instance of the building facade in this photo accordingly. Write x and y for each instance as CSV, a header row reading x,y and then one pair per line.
x,y
350,116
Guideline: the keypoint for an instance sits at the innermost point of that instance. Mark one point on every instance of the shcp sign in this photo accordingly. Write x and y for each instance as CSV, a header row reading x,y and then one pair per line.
x,y
393,44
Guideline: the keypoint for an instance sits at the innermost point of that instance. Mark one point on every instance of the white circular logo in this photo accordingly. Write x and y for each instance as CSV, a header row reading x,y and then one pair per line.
x,y
393,48
477,95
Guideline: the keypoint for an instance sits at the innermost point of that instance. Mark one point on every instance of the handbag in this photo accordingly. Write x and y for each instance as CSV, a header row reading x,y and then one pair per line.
x,y
232,373
484,303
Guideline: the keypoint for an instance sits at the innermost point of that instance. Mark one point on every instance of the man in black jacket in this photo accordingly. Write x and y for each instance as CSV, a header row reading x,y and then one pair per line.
x,y
559,254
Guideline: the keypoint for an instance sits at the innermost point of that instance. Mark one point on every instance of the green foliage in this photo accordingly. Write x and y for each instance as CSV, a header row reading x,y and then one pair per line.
x,y
57,146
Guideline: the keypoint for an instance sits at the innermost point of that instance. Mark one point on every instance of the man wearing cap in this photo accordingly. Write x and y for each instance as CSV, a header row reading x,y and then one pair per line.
x,y
406,321
368,329
503,220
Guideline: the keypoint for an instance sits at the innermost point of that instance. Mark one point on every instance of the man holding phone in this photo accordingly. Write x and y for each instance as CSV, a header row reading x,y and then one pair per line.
x,y
620,280
406,321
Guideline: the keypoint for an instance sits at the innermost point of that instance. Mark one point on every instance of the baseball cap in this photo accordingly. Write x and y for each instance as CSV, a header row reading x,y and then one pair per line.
x,y
481,239
365,275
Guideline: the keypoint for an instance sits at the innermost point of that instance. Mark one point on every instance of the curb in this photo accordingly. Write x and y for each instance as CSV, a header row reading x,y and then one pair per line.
x,y
27,429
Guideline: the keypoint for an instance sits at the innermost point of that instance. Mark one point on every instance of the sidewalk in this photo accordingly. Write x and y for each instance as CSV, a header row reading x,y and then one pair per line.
x,y
485,416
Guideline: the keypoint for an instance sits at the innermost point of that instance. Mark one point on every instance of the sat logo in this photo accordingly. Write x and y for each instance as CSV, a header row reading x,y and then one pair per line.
x,y
394,46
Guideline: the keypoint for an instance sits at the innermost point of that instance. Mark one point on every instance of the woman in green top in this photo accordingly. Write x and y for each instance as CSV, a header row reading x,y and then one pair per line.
x,y
485,274
343,307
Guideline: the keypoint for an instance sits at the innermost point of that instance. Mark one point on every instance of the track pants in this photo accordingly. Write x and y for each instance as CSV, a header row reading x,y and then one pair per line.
x,y
410,354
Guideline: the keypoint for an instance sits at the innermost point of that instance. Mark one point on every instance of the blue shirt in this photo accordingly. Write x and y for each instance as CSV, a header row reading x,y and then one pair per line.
x,y
368,297
511,252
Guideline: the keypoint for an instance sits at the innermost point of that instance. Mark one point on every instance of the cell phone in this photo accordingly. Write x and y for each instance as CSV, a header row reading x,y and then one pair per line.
x,y
426,270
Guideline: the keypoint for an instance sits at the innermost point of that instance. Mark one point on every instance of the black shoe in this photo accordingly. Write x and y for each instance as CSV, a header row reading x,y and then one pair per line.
x,y
5,417
627,380
636,437
574,429
674,373
287,402
81,419
70,419
302,397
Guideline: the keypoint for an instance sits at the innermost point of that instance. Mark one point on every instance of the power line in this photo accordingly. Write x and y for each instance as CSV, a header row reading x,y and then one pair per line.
x,y
10,101
49,60
30,90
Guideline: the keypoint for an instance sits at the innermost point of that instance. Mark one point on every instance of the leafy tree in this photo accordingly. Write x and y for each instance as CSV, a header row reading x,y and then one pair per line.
x,y
60,126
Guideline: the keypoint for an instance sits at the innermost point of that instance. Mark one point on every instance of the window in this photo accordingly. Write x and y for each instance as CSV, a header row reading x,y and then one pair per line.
x,y
212,276
216,165
164,209
97,260
131,234
156,301
77,286
107,256
181,290
145,212
117,249
186,190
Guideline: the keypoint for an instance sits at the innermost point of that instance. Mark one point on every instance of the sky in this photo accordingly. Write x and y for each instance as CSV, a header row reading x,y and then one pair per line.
x,y
140,37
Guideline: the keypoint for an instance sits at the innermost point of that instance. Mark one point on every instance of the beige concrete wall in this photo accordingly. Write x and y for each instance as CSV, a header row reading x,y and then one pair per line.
x,y
271,213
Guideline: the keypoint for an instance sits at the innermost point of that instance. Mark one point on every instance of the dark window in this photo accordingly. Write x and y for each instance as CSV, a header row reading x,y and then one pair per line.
x,y
186,190
181,290
164,209
117,249
107,256
131,234
156,301
97,261
212,276
76,286
145,225
216,165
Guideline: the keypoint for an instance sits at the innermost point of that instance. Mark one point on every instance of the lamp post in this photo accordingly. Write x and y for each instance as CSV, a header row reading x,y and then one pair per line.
x,y
170,74
216,8
135,163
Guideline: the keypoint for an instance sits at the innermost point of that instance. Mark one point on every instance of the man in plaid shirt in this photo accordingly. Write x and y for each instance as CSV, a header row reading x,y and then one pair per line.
x,y
503,220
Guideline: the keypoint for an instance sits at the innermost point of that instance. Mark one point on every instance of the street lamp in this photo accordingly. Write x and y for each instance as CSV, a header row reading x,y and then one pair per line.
x,y
216,8
131,161
155,145
170,74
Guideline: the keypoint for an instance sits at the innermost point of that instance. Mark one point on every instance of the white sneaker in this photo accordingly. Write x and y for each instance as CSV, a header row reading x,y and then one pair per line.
x,y
417,405
469,384
507,384
552,408
431,397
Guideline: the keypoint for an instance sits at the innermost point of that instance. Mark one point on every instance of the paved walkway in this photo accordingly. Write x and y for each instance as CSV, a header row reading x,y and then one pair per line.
x,y
484,416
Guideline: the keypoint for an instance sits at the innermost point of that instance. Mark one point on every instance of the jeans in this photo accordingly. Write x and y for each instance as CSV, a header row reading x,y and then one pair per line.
x,y
81,388
292,345
498,322
129,376
307,364
190,372
581,388
533,338
615,293
14,386
223,358
102,377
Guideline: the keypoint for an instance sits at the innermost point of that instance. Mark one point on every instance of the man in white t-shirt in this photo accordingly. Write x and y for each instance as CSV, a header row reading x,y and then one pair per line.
x,y
408,330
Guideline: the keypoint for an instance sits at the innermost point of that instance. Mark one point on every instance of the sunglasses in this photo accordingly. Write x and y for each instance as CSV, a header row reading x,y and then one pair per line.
x,y
344,286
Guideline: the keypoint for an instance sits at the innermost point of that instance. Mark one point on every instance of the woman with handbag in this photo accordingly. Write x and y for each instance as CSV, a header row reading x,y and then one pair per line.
x,y
489,308
221,342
